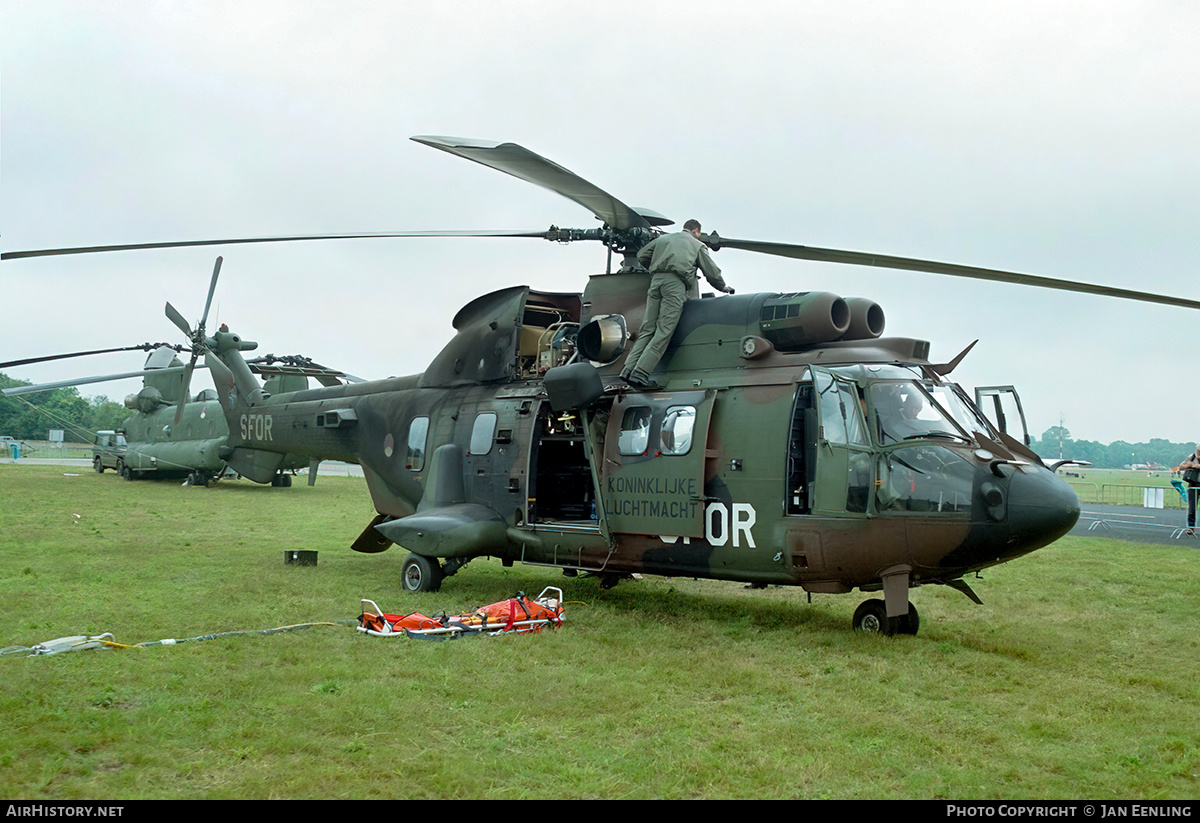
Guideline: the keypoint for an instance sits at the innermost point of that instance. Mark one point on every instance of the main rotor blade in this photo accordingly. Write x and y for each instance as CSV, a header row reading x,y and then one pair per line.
x,y
29,360
523,164
231,241
954,270
62,384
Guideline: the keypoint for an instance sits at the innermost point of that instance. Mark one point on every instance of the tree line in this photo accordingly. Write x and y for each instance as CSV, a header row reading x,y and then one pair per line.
x,y
32,416
1057,442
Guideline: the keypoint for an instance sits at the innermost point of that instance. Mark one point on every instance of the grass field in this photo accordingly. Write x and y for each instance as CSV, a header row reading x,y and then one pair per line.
x,y
1078,678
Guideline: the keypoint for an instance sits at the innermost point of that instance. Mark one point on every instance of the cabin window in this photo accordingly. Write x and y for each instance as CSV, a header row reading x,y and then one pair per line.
x,y
635,430
677,429
417,431
482,433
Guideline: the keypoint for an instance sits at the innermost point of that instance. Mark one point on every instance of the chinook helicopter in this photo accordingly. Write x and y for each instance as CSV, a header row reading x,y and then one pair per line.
x,y
172,433
790,444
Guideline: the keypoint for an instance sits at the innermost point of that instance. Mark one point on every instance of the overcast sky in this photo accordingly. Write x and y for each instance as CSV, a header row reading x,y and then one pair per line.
x,y
1052,138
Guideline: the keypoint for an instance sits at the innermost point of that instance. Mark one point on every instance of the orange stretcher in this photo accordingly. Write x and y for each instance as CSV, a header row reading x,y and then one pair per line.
x,y
518,614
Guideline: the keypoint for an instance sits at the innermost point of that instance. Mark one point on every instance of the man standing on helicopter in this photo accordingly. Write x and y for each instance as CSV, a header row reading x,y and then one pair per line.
x,y
672,260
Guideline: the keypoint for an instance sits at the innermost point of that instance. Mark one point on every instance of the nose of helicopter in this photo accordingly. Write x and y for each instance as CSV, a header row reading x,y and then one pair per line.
x,y
1036,509
1042,507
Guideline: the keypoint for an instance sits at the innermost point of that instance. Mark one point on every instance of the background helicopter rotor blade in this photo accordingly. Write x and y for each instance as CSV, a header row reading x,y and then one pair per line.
x,y
932,267
178,319
61,384
212,287
230,241
141,347
525,165
187,386
199,342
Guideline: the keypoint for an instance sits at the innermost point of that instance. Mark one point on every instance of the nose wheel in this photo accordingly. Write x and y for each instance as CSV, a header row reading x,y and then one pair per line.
x,y
872,616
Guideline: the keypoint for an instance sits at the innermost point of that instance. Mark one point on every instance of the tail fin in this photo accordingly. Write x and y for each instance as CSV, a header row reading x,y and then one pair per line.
x,y
249,452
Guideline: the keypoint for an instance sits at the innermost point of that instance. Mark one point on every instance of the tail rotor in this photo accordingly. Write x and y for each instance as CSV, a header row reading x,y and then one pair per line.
x,y
197,336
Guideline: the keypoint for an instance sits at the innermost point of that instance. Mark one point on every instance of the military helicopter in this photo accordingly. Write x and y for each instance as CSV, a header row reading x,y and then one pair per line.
x,y
174,434
790,443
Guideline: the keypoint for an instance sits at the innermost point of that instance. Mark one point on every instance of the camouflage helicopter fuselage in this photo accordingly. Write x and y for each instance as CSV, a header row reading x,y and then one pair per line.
x,y
790,443
774,454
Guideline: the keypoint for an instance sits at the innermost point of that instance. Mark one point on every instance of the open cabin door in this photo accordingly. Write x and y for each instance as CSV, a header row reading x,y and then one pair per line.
x,y
562,493
1002,406
652,477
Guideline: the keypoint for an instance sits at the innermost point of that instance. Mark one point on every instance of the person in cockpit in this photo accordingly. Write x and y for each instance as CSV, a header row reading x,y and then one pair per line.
x,y
898,414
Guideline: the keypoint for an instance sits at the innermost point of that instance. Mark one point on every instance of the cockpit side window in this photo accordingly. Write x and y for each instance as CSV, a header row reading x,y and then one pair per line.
x,y
843,429
841,411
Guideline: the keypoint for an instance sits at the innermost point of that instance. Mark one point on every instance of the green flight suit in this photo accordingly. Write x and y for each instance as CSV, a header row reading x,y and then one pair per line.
x,y
672,260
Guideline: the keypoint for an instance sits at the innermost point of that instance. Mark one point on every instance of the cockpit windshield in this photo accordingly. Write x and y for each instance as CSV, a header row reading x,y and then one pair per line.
x,y
910,410
965,413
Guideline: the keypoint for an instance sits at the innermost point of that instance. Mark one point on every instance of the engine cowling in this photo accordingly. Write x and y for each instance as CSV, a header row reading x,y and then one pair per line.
x,y
866,319
794,321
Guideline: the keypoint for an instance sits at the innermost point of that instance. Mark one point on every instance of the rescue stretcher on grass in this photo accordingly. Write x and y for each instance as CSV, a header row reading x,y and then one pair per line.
x,y
519,614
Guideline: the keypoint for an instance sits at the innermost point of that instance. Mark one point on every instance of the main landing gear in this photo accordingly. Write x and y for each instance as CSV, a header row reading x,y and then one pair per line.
x,y
421,574
425,574
872,616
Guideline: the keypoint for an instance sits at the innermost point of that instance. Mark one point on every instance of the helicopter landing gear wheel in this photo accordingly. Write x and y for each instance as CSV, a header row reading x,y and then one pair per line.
x,y
124,471
421,574
98,465
871,616
909,623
